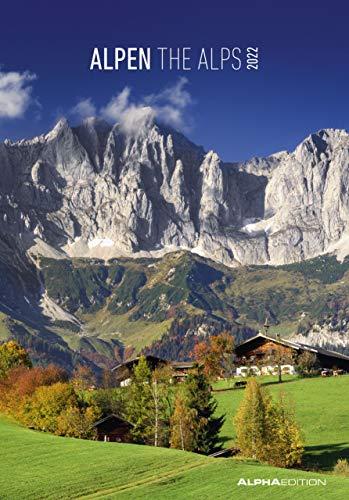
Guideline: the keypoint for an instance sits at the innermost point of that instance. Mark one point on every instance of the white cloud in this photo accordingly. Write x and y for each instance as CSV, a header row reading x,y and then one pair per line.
x,y
84,108
176,95
168,106
132,117
15,93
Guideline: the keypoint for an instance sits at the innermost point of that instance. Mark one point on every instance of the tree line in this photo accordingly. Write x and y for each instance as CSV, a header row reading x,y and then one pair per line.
x,y
162,412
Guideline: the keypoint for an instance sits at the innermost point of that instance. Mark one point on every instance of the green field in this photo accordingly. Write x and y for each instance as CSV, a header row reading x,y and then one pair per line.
x,y
322,410
36,465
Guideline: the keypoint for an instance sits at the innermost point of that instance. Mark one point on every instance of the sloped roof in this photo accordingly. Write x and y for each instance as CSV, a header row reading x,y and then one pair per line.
x,y
108,417
297,346
182,364
132,361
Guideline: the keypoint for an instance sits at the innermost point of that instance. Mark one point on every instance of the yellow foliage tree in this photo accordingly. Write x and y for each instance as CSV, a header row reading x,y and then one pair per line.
x,y
252,421
184,424
12,354
77,422
267,430
285,448
46,404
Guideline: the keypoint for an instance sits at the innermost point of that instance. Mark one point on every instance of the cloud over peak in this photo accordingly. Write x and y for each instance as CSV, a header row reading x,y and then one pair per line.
x,y
84,108
168,106
15,93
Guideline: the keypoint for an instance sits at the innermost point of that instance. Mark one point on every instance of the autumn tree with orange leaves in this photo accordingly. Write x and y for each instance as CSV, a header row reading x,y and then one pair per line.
x,y
216,355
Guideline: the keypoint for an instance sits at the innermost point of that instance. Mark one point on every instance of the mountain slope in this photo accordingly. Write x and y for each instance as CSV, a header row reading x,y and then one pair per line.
x,y
80,207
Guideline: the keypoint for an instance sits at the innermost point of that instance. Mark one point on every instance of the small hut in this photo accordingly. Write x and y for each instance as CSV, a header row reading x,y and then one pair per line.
x,y
113,428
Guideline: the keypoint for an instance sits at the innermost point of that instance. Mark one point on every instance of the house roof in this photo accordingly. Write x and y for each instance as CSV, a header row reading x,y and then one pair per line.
x,y
182,365
297,346
132,361
110,416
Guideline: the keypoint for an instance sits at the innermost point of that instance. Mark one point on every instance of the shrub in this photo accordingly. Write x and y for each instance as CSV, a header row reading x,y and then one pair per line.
x,y
306,363
342,467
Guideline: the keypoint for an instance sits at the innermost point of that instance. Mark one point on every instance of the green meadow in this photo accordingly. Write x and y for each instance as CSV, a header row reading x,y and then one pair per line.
x,y
322,409
36,465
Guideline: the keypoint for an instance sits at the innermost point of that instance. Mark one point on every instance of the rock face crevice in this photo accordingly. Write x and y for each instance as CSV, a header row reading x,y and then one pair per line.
x,y
93,191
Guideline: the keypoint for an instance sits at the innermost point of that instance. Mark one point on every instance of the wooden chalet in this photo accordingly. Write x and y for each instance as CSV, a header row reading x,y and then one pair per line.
x,y
113,428
124,371
262,349
180,369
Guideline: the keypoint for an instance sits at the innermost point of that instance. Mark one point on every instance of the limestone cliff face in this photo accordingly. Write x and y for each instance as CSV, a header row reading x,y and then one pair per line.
x,y
93,191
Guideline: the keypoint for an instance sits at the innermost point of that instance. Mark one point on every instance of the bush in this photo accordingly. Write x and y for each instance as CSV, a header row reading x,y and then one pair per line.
x,y
42,398
77,422
341,468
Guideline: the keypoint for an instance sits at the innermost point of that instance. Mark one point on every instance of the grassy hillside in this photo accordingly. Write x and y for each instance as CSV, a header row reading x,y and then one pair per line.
x,y
155,289
322,410
40,466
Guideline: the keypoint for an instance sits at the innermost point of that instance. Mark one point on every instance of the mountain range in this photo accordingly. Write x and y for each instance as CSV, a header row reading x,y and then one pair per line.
x,y
112,242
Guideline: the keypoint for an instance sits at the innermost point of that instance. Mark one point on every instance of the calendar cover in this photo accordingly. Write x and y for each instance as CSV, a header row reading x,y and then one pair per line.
x,y
174,249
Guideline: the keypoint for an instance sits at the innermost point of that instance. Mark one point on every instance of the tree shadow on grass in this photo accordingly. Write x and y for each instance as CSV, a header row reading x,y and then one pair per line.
x,y
325,456
276,382
225,439
241,388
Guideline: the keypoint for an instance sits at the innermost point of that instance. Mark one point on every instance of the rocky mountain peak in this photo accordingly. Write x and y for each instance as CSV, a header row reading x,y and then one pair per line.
x,y
96,190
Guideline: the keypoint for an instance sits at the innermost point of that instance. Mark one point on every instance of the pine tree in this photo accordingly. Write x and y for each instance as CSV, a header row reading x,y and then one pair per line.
x,y
148,404
140,402
252,422
199,399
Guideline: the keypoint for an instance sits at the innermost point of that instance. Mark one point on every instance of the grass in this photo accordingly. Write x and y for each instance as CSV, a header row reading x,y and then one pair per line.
x,y
322,410
138,334
38,466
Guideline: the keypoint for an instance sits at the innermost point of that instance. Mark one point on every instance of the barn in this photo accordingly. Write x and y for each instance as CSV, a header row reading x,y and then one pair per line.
x,y
113,428
264,349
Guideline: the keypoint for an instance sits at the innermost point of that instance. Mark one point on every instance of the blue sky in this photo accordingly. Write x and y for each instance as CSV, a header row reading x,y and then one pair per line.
x,y
301,86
